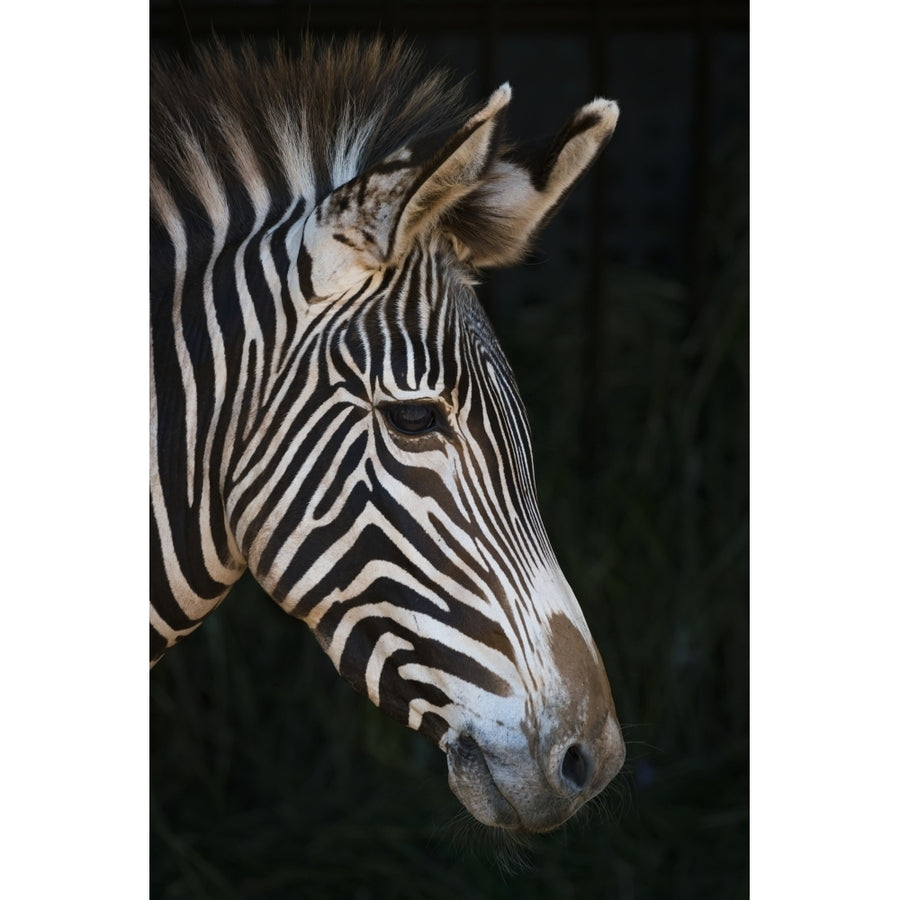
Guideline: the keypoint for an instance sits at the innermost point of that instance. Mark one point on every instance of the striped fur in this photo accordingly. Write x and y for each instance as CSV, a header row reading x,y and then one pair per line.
x,y
315,225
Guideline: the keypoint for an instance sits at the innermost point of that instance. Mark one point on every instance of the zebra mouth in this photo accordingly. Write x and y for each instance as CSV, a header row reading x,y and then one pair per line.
x,y
471,781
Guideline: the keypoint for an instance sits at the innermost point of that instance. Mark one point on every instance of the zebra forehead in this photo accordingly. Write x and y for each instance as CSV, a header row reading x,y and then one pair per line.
x,y
430,311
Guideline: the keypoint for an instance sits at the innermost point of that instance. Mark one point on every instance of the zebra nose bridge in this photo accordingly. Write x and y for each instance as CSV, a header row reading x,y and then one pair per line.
x,y
579,746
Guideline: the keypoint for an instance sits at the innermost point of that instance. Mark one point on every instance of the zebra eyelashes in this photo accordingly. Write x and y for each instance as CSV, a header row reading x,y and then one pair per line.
x,y
413,418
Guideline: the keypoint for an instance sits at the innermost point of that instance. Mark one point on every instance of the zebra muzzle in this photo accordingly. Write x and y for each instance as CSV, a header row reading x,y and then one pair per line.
x,y
526,789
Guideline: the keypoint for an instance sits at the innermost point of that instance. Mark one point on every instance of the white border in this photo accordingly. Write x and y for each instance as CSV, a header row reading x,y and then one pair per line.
x,y
74,805
825,421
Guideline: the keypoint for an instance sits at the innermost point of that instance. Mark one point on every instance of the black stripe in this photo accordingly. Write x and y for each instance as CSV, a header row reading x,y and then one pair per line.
x,y
304,273
427,652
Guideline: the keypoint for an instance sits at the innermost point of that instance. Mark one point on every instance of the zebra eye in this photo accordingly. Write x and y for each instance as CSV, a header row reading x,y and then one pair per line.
x,y
411,418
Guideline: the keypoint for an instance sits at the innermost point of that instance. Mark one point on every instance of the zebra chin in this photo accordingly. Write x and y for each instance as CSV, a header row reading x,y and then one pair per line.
x,y
511,789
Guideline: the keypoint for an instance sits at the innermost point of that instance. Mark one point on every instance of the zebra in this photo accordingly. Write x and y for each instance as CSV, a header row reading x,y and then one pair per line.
x,y
331,410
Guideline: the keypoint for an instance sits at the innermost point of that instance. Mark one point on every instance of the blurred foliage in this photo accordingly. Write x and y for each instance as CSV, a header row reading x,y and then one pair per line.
x,y
271,778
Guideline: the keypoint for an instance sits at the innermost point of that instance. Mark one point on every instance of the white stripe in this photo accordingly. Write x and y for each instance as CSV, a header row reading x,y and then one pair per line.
x,y
385,647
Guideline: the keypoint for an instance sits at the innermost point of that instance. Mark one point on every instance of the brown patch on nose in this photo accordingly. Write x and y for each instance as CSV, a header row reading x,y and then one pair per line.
x,y
588,695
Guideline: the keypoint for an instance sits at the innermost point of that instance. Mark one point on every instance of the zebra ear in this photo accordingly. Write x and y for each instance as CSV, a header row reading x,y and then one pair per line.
x,y
371,221
495,224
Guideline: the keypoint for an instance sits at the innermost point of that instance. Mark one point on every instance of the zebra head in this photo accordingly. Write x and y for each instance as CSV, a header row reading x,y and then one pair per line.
x,y
387,495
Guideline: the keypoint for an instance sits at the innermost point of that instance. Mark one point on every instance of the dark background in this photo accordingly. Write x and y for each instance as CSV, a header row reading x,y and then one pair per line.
x,y
628,332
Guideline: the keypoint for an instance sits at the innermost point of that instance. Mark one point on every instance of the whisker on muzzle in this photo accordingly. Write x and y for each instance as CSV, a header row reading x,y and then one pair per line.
x,y
512,852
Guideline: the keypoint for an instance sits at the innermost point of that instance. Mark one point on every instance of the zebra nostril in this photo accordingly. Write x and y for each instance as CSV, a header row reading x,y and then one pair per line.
x,y
575,767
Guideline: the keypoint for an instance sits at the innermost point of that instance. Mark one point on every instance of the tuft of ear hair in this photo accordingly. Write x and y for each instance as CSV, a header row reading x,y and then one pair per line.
x,y
489,204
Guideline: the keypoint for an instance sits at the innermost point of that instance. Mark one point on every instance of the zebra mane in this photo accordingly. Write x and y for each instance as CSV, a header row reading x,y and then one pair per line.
x,y
296,125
